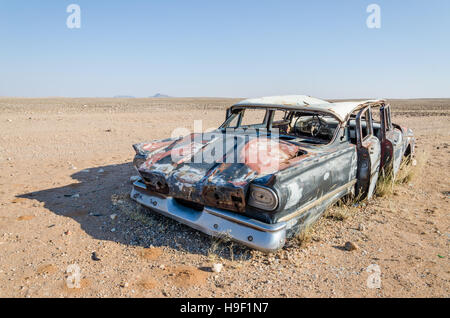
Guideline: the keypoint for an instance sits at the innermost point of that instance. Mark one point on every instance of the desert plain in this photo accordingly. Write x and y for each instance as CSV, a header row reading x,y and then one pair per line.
x,y
66,216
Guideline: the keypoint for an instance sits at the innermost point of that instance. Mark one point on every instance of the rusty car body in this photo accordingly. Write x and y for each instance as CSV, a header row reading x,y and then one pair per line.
x,y
260,180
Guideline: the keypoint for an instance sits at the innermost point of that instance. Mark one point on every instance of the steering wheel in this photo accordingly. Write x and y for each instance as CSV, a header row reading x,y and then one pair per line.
x,y
316,123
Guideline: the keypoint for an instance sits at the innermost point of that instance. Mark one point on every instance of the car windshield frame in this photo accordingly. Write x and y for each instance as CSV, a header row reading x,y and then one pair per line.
x,y
235,111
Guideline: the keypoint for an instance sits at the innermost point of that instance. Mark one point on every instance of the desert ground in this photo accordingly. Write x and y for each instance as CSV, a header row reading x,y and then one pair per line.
x,y
65,168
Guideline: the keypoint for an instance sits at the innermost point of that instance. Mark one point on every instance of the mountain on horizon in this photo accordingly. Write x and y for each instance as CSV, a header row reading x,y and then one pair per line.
x,y
158,95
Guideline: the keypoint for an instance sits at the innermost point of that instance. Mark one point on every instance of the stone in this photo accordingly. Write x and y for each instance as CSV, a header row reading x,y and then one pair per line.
x,y
350,246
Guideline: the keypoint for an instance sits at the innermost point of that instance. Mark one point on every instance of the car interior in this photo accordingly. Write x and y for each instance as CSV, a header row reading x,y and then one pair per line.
x,y
310,128
376,125
304,127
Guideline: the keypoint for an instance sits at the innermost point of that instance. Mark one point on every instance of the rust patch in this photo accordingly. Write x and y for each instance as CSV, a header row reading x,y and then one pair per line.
x,y
156,145
154,159
265,156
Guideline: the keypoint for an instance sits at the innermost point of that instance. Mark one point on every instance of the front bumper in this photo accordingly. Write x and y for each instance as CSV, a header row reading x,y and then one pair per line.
x,y
215,222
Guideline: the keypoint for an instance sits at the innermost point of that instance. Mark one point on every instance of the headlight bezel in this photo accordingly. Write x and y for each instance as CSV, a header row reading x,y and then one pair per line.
x,y
257,202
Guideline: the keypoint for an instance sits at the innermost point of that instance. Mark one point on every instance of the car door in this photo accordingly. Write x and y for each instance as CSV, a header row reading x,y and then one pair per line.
x,y
386,141
369,154
392,145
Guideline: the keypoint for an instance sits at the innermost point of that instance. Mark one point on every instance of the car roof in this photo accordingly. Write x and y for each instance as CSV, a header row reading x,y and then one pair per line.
x,y
340,110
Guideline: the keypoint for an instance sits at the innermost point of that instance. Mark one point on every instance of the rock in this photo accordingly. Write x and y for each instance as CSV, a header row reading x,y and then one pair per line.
x,y
217,268
350,246
113,216
67,233
101,170
162,266
94,257
113,229
123,284
361,227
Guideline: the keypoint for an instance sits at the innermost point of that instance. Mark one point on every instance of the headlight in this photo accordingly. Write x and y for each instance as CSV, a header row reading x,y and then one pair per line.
x,y
138,161
262,198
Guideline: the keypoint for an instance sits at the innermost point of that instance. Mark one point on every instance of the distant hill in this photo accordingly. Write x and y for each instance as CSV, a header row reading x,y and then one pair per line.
x,y
123,96
158,95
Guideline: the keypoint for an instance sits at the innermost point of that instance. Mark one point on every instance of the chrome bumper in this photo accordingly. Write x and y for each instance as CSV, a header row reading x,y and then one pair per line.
x,y
215,222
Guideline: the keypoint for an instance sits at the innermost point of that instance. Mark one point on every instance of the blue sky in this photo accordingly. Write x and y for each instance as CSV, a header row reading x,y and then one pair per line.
x,y
226,48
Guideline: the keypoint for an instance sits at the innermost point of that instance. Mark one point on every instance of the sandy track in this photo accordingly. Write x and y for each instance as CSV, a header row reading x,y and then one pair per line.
x,y
46,144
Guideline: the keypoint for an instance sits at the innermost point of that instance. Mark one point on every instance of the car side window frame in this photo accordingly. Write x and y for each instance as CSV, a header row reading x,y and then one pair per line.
x,y
265,120
388,118
369,124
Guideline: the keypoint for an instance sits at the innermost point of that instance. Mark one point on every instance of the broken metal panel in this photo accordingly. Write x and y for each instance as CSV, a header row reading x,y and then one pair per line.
x,y
369,156
387,147
399,147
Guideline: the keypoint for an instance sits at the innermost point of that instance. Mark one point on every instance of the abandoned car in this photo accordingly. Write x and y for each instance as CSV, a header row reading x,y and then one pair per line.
x,y
272,167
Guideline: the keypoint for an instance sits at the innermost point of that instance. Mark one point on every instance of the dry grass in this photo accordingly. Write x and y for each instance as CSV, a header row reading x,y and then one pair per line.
x,y
134,211
410,170
304,237
218,245
385,184
344,208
